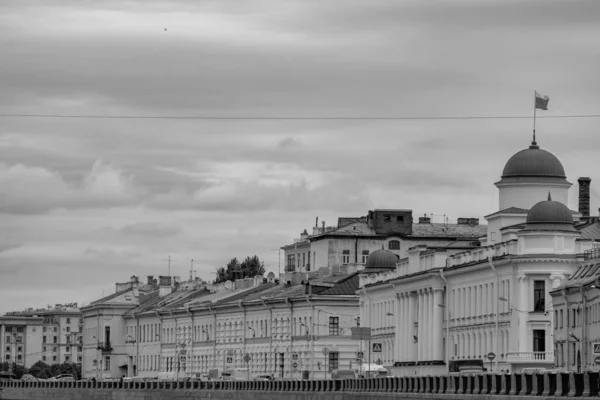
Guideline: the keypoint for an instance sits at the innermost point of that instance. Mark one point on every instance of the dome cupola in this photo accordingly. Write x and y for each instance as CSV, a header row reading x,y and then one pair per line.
x,y
550,215
381,260
533,162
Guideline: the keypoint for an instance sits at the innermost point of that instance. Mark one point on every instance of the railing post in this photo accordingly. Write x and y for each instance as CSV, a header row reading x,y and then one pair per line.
x,y
572,386
586,385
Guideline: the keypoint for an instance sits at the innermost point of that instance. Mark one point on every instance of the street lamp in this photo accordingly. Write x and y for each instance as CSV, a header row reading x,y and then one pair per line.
x,y
207,335
253,331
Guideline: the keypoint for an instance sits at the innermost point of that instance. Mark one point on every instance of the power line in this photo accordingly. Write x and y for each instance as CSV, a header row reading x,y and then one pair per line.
x,y
264,118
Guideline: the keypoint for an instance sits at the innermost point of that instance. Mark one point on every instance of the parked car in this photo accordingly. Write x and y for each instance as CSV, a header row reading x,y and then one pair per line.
x,y
62,378
7,376
339,374
263,378
31,378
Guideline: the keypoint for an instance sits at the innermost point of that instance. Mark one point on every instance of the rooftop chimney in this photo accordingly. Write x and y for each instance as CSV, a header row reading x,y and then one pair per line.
x,y
584,196
164,285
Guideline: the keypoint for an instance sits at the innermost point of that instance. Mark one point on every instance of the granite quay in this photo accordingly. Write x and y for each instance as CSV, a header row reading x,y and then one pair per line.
x,y
448,386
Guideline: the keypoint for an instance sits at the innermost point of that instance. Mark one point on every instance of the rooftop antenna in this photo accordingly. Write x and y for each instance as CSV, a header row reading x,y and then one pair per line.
x,y
169,263
192,270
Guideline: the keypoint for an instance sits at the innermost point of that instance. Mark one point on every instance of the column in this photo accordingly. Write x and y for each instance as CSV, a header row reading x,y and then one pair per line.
x,y
523,305
397,328
430,314
420,325
437,326
425,334
406,355
413,298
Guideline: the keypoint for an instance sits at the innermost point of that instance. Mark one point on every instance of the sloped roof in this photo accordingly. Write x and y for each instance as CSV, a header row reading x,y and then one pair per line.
x,y
345,287
112,296
449,230
590,231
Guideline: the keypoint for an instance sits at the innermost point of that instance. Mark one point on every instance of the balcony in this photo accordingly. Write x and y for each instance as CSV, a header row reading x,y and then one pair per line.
x,y
105,347
541,357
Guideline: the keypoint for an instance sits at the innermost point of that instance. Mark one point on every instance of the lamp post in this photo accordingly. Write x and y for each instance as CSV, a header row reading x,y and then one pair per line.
x,y
207,335
253,331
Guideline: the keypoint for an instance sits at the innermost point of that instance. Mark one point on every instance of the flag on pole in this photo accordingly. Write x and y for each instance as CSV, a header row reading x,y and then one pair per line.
x,y
541,101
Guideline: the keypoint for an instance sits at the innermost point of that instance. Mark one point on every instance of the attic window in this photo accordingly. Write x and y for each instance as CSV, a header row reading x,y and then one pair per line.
x,y
387,218
128,298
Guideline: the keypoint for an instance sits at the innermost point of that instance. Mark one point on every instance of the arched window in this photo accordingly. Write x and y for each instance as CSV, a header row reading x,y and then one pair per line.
x,y
394,245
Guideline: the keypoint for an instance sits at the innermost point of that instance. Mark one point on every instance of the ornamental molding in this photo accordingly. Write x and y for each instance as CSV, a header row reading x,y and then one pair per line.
x,y
546,260
557,276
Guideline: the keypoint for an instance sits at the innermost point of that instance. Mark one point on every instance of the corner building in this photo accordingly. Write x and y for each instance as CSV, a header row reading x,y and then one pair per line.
x,y
447,311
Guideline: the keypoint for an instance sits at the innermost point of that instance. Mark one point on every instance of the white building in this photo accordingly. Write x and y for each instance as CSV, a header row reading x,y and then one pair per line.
x,y
188,328
491,299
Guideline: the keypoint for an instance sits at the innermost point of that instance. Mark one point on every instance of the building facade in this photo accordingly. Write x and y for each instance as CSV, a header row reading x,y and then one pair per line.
x,y
490,306
51,335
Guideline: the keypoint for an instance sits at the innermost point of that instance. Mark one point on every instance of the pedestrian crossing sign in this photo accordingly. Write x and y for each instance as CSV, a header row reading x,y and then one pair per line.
x,y
596,348
376,347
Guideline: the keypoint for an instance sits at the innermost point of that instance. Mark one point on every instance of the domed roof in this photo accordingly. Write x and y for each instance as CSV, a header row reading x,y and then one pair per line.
x,y
550,212
533,162
381,259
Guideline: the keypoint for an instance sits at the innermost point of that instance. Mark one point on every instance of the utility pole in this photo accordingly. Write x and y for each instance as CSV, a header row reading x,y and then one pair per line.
x,y
168,260
192,270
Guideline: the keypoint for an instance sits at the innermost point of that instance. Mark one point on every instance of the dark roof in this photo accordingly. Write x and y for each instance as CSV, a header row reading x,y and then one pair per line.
x,y
111,296
533,162
345,287
589,229
246,293
510,210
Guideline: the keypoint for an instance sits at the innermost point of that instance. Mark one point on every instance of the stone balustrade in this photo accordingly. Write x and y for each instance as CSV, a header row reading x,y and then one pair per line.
x,y
523,384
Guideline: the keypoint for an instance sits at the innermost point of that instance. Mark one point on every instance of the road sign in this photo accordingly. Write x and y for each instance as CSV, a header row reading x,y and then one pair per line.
x,y
491,356
597,359
377,347
360,354
360,333
295,365
596,348
325,351
247,358
229,360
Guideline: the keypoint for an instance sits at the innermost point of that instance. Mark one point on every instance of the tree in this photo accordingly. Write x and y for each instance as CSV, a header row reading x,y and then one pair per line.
x,y
249,268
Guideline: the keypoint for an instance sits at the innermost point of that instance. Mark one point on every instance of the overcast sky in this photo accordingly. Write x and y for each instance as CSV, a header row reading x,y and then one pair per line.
x,y
85,203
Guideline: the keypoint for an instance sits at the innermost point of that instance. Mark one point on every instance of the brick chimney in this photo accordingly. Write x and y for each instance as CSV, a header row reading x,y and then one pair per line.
x,y
584,196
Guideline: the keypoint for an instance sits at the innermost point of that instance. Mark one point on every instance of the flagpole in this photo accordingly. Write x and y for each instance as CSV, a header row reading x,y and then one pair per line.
x,y
534,108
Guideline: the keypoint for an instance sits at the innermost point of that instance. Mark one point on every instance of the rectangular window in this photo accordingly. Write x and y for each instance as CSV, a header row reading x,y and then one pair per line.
x,y
43,358
68,339
555,319
365,255
44,329
394,245
43,339
55,339
304,259
334,360
539,296
19,339
20,348
387,218
20,329
44,348
539,340
308,261
54,349
68,320
561,318
55,329
8,356
107,363
399,218
346,257
107,335
53,358
334,326
8,339
574,353
574,318
68,349
67,358
68,329
19,357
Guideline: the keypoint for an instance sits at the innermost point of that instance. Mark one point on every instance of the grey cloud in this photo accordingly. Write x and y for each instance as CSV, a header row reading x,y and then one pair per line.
x,y
151,229
287,143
